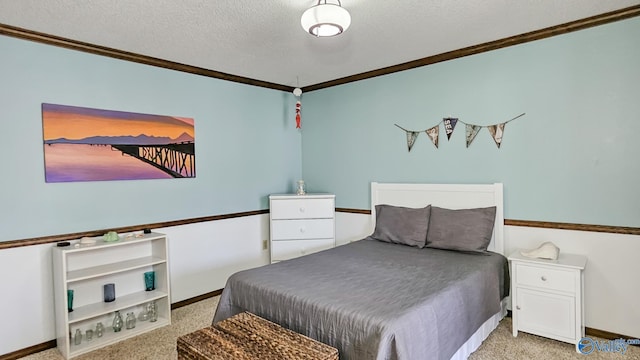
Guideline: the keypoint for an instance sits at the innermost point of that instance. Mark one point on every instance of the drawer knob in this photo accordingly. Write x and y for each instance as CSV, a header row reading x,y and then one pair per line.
x,y
302,230
517,307
543,278
301,209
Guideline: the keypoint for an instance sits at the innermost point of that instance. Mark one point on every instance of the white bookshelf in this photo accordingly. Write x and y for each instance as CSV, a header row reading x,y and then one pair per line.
x,y
86,268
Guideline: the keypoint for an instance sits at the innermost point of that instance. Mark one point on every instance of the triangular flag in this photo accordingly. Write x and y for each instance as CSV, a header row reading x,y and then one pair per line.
x,y
472,131
433,134
411,138
496,132
449,125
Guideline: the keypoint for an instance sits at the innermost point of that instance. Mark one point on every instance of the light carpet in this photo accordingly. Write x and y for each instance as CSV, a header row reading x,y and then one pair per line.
x,y
160,344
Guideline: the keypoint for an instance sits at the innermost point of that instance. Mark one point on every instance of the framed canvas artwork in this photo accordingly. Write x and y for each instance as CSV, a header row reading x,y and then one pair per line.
x,y
84,144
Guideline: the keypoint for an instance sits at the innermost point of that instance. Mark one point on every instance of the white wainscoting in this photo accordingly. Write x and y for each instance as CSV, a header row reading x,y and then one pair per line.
x,y
612,275
202,256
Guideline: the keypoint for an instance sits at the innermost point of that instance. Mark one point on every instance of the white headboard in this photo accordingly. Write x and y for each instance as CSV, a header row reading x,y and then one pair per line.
x,y
450,196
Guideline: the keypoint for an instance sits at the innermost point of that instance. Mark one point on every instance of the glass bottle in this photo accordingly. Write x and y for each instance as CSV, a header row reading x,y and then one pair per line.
x,y
77,339
301,190
117,322
131,320
99,329
153,311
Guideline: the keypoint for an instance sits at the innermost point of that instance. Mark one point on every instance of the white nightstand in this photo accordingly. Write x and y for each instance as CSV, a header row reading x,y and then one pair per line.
x,y
301,224
547,296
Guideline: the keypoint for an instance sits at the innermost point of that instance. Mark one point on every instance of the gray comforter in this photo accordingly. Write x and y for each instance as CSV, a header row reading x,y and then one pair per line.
x,y
375,300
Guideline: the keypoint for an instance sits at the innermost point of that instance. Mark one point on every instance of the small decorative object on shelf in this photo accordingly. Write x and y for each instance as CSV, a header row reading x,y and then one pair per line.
x,y
153,311
143,315
131,320
547,250
77,339
109,292
70,300
111,236
87,241
117,322
150,280
301,190
89,335
99,329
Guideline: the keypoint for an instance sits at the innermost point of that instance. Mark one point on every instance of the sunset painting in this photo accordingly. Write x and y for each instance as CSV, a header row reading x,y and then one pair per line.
x,y
84,144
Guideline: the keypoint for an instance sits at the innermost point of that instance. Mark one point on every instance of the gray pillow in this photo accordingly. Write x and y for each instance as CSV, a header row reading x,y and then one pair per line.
x,y
402,225
462,230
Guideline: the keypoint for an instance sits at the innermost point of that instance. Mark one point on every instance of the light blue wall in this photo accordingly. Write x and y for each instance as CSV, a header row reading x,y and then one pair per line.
x,y
574,156
246,142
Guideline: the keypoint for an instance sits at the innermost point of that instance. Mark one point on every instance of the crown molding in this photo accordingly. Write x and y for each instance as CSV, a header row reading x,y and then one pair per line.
x,y
581,24
48,39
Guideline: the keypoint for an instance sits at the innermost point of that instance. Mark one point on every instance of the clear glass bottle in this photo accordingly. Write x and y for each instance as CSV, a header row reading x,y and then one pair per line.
x,y
131,320
117,322
144,314
77,339
301,189
99,329
153,311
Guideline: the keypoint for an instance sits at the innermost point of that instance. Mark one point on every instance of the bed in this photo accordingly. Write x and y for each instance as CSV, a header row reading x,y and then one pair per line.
x,y
393,294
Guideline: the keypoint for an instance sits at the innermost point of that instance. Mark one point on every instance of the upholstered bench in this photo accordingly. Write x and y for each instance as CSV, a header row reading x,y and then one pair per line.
x,y
249,337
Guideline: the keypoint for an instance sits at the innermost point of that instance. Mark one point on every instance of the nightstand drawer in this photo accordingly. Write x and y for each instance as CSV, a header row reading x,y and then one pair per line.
x,y
283,250
302,209
301,229
546,278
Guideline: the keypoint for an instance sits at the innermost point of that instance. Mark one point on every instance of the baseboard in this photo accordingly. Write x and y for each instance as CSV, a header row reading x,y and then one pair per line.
x,y
29,351
607,335
195,299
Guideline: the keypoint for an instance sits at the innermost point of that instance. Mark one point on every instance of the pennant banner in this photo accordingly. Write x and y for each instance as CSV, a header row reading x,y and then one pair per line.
x,y
496,131
411,138
472,131
449,125
433,134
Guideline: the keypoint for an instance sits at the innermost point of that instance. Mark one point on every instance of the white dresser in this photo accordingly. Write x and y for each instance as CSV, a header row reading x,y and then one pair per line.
x,y
301,224
547,296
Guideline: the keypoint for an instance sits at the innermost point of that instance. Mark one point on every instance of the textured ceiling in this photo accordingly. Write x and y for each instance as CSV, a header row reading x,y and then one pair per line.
x,y
263,40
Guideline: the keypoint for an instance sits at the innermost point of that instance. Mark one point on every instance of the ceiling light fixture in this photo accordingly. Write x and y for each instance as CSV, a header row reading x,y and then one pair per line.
x,y
326,19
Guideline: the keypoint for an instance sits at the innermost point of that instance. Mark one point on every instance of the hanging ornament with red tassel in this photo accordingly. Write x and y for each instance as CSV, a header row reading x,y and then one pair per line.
x,y
297,92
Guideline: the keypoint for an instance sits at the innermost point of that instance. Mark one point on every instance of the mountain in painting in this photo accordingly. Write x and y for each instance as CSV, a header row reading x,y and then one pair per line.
x,y
123,140
183,138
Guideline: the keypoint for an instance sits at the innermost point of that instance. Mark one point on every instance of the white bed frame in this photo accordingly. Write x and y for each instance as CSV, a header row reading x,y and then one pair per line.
x,y
450,196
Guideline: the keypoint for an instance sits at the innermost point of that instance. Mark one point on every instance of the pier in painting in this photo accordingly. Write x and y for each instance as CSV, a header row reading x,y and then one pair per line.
x,y
177,160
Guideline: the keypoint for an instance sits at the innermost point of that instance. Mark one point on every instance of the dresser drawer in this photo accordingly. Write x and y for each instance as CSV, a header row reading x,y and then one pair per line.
x,y
283,250
302,209
301,229
546,278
